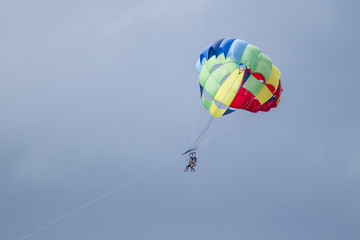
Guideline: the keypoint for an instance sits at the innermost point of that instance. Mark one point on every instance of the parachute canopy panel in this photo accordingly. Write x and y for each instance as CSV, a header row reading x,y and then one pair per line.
x,y
236,75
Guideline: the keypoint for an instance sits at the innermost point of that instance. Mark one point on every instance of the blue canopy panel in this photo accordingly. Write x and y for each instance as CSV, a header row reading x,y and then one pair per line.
x,y
237,49
225,46
229,111
272,98
198,66
210,50
230,47
246,76
201,90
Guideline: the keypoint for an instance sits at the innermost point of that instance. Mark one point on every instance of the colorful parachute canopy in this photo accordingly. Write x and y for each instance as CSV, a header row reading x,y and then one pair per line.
x,y
236,75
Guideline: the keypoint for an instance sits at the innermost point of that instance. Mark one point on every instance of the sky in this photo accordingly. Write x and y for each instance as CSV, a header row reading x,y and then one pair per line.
x,y
94,94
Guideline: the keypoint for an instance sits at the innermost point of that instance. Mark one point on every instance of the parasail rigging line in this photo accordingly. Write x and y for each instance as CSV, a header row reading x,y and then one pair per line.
x,y
97,199
203,132
206,128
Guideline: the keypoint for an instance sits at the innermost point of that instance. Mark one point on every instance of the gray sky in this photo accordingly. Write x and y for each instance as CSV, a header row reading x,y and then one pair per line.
x,y
95,93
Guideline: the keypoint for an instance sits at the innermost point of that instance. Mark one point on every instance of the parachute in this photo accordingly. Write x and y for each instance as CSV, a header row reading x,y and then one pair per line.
x,y
234,74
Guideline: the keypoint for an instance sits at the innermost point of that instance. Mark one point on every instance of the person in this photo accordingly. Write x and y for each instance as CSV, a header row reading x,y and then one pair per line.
x,y
191,159
193,164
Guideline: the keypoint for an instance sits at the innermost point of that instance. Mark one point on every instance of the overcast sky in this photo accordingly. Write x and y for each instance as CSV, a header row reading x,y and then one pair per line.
x,y
96,93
